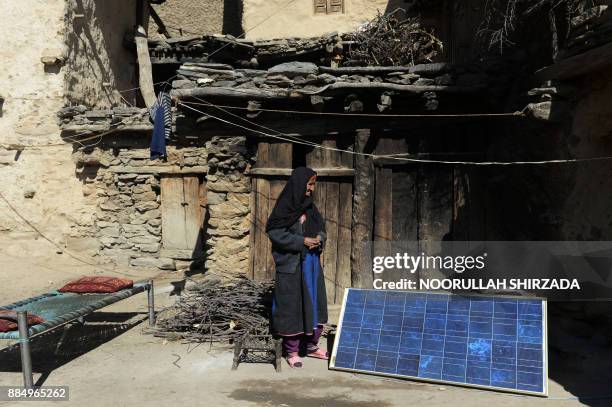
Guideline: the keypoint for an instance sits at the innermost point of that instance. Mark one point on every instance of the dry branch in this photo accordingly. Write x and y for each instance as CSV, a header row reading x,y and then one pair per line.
x,y
218,311
387,41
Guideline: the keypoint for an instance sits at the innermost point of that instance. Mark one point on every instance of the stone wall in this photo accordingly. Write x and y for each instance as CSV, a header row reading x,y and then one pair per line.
x,y
227,233
125,185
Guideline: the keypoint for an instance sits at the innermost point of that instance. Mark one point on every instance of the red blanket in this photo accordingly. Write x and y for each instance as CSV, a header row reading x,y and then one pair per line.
x,y
96,285
8,320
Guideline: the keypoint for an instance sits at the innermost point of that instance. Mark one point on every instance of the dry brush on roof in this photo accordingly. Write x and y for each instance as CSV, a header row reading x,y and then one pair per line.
x,y
389,40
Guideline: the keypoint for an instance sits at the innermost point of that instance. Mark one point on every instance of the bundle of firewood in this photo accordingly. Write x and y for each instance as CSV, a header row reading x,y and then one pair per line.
x,y
218,311
390,40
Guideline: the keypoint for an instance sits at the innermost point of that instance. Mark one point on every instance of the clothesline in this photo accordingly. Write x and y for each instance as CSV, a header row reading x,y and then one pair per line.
x,y
288,138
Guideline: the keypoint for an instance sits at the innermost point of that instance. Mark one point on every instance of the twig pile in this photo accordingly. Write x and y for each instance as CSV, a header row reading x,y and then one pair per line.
x,y
215,311
503,19
388,40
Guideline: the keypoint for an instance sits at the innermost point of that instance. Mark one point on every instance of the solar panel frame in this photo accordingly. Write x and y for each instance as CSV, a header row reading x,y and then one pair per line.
x,y
544,330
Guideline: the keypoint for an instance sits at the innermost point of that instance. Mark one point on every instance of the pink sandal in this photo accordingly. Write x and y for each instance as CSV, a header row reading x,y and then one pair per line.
x,y
318,354
295,361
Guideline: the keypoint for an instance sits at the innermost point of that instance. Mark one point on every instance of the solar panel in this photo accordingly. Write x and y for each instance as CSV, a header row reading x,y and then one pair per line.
x,y
481,341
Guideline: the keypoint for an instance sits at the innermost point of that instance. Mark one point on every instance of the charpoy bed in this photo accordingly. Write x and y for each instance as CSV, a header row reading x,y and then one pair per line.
x,y
58,308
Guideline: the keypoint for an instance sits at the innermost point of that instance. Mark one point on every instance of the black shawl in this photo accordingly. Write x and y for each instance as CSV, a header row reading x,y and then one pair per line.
x,y
293,202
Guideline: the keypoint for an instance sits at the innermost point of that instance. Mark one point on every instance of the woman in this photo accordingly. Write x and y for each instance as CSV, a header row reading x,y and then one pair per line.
x,y
297,231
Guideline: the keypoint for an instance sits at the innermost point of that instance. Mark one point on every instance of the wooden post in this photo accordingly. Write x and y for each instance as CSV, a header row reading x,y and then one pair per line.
x,y
363,207
280,155
145,72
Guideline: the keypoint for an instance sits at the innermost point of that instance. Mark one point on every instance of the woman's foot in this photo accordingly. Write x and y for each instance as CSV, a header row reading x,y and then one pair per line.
x,y
318,353
294,361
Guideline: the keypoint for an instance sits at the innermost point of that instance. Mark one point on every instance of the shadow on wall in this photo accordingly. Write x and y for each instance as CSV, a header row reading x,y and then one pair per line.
x,y
99,62
232,17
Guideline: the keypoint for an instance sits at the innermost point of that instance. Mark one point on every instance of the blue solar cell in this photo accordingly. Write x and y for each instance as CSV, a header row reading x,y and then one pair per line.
x,y
491,342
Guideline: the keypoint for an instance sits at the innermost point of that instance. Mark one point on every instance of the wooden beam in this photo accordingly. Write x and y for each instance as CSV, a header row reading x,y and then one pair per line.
x,y
158,169
161,27
321,172
431,69
593,60
337,87
363,210
145,72
93,128
240,93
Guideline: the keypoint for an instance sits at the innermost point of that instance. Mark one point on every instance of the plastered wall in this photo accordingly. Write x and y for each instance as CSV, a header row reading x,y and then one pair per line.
x,y
285,18
36,169
39,177
191,16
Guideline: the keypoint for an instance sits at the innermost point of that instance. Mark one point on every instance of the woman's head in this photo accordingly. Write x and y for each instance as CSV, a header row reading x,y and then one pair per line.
x,y
310,186
295,199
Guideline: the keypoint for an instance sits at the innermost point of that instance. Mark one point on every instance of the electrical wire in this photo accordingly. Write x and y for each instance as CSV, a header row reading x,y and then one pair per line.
x,y
55,244
286,137
381,115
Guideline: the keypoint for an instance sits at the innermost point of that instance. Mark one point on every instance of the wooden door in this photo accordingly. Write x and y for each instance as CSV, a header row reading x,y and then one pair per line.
x,y
426,203
333,197
183,213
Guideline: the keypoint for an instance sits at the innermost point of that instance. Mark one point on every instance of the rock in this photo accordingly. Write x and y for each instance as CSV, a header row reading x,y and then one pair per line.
x,y
165,264
107,242
109,206
279,80
241,198
145,196
145,239
154,230
155,221
131,228
127,177
226,186
227,232
292,69
215,198
146,206
424,82
161,263
149,247
183,84
242,223
110,231
142,188
326,78
228,210
29,193
444,80
152,214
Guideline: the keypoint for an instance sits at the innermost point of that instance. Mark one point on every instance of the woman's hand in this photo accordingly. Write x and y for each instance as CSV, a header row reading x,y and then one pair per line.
x,y
312,242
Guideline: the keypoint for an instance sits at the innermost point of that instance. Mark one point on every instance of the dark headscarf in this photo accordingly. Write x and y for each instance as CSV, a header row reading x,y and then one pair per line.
x,y
293,202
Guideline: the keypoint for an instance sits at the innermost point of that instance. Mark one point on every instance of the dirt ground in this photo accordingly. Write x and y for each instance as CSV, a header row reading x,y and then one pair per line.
x,y
111,360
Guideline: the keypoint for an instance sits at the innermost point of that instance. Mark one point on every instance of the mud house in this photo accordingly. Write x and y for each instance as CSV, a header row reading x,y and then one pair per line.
x,y
394,143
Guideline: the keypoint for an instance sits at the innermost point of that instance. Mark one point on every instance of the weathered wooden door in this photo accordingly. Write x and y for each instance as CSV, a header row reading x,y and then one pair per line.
x,y
333,197
427,202
183,211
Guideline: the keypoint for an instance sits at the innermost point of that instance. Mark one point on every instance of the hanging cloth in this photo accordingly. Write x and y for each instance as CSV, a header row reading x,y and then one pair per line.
x,y
160,115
